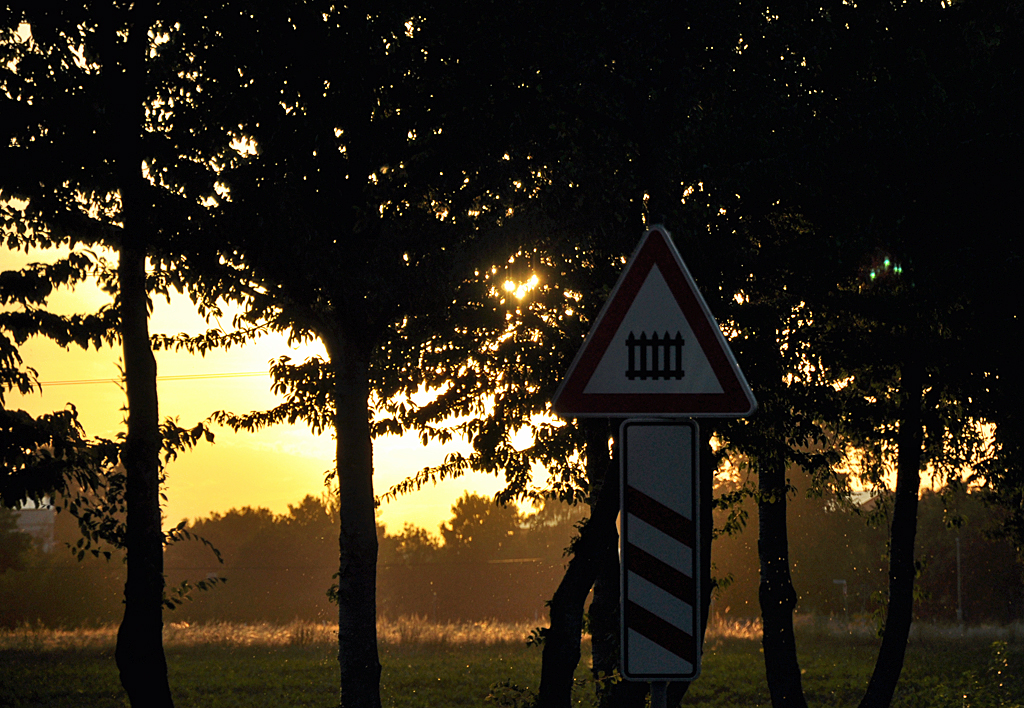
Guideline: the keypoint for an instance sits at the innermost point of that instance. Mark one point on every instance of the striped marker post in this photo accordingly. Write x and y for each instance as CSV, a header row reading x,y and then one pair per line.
x,y
659,551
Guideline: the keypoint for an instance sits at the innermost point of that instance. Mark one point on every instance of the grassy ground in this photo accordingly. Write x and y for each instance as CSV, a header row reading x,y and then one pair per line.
x,y
485,665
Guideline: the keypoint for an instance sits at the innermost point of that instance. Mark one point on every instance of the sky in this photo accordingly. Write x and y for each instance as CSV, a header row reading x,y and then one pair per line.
x,y
272,468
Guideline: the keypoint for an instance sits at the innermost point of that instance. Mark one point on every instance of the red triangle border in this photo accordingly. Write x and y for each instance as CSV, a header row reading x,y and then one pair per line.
x,y
736,399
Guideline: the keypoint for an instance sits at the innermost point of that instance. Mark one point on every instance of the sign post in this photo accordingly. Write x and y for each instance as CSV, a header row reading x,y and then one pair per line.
x,y
656,355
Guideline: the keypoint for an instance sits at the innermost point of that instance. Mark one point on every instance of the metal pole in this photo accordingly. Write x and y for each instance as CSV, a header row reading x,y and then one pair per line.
x,y
659,694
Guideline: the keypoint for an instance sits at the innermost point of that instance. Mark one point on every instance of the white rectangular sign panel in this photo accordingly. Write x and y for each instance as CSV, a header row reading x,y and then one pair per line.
x,y
660,550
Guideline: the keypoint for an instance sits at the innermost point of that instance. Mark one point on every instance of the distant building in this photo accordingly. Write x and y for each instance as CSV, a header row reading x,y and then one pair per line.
x,y
38,521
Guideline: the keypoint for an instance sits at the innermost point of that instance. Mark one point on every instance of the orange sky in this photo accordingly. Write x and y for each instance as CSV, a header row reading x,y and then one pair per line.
x,y
272,468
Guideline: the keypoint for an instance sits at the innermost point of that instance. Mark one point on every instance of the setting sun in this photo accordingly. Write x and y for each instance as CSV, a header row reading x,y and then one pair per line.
x,y
520,290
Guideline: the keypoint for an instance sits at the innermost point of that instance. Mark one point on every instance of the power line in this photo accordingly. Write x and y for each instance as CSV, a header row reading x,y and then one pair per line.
x,y
177,377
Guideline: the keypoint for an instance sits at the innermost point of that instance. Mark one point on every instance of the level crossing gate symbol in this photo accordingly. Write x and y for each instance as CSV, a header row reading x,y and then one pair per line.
x,y
655,357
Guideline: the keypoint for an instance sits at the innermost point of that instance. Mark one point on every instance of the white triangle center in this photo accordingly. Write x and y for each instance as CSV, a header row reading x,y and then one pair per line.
x,y
657,366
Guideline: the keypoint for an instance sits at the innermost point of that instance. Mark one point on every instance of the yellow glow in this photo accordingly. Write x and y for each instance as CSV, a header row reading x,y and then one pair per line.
x,y
272,468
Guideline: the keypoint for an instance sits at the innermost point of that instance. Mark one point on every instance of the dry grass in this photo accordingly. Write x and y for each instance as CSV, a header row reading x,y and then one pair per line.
x,y
418,631
733,629
404,630
34,638
246,635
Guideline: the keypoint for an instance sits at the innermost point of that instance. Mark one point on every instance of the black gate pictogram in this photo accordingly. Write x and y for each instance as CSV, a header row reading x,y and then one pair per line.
x,y
655,357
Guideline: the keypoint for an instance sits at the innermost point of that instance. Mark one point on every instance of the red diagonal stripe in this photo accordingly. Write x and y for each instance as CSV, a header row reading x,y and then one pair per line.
x,y
659,516
659,573
660,632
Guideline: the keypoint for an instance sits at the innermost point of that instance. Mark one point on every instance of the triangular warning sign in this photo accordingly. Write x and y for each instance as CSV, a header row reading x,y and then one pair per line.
x,y
655,349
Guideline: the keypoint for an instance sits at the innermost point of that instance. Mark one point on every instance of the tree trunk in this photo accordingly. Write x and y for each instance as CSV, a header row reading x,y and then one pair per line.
x,y
776,593
357,579
562,640
603,614
606,637
139,653
604,622
902,569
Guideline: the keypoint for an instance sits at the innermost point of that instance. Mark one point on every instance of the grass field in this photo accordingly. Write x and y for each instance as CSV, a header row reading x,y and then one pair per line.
x,y
482,664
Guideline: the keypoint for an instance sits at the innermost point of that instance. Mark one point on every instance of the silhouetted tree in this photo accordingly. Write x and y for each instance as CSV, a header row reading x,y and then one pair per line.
x,y
875,169
82,89
351,183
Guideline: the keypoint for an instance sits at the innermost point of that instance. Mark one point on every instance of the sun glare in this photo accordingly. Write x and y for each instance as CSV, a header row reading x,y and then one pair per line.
x,y
520,290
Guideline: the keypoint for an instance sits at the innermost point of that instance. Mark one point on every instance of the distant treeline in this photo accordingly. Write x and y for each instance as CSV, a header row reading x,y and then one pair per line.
x,y
495,562
489,562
